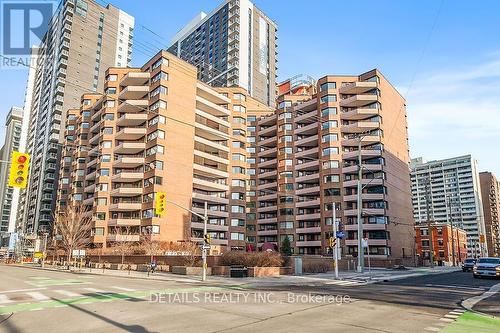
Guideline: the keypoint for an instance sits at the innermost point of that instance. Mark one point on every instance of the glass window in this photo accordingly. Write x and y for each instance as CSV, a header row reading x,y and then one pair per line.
x,y
329,98
328,111
328,86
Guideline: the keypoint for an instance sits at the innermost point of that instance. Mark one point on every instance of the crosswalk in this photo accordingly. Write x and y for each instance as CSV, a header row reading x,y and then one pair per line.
x,y
346,283
41,294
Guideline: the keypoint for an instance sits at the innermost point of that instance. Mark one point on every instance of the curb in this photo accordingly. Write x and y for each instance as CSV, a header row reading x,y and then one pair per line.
x,y
469,303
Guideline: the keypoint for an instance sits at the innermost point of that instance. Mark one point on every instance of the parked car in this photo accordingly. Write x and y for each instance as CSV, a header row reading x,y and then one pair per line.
x,y
468,264
487,267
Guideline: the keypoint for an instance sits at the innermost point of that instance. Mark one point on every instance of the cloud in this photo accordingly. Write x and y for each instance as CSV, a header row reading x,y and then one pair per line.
x,y
456,113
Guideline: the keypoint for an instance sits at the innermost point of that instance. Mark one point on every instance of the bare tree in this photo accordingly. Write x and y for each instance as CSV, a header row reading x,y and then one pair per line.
x,y
190,247
74,226
126,243
151,246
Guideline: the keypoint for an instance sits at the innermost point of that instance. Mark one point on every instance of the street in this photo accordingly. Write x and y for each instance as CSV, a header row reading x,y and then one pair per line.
x,y
34,300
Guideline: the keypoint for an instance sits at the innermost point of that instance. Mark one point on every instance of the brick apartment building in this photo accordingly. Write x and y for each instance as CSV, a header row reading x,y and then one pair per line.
x,y
442,241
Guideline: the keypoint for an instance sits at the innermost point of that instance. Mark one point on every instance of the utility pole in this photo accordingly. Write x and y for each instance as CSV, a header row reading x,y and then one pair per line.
x,y
361,260
428,209
335,249
204,250
452,232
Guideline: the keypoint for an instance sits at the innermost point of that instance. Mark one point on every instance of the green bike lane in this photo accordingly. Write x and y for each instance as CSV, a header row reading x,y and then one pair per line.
x,y
473,322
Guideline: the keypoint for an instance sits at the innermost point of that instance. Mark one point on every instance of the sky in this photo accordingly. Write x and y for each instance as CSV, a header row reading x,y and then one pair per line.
x,y
442,55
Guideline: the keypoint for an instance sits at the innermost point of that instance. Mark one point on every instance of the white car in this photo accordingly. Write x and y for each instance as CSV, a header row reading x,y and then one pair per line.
x,y
487,267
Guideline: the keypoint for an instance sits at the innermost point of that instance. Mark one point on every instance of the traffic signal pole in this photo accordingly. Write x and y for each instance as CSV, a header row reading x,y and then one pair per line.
x,y
335,249
204,251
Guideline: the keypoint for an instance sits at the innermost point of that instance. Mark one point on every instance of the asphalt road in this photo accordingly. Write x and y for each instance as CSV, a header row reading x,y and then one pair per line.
x,y
34,300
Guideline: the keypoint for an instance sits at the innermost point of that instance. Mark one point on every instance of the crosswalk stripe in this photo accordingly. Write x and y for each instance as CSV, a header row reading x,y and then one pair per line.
x,y
123,288
94,290
4,299
432,329
67,293
38,296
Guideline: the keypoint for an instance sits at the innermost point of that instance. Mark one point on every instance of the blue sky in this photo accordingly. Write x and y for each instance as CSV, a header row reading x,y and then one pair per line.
x,y
446,62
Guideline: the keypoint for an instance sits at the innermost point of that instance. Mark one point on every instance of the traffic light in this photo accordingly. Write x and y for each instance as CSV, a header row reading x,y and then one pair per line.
x,y
19,166
161,202
332,241
207,239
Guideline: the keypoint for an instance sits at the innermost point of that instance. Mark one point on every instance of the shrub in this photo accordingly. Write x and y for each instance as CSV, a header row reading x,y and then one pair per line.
x,y
316,267
251,259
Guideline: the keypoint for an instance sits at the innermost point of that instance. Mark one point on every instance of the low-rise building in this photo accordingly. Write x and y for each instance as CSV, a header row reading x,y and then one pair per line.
x,y
444,240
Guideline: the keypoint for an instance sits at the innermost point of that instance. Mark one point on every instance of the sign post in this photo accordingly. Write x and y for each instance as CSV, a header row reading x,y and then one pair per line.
x,y
364,242
335,247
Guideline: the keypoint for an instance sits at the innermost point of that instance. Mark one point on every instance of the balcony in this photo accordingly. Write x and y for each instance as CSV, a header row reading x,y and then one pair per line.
x,y
211,108
126,192
369,182
130,133
310,230
134,92
216,213
125,206
266,209
371,242
268,220
123,238
127,177
210,198
361,127
208,185
365,211
124,222
365,141
210,227
209,133
311,216
310,165
366,227
309,129
132,119
209,172
350,155
358,100
360,87
359,114
364,197
135,79
208,94
309,141
130,147
307,203
366,167
133,106
314,243
268,174
270,232
128,162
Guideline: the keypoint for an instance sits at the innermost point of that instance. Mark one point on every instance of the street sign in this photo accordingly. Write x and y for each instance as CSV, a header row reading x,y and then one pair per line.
x,y
58,237
38,255
205,247
78,253
364,242
340,234
481,238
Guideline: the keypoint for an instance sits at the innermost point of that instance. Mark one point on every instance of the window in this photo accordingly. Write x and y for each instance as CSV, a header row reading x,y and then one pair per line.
x,y
239,170
328,111
330,165
285,127
102,201
103,172
332,179
158,90
110,103
106,158
157,105
285,115
156,134
162,61
99,231
329,138
330,151
238,157
328,98
238,144
329,124
328,86
237,236
158,149
159,76
284,104
237,222
108,116
251,129
286,138
286,150
112,77
157,119
332,192
237,196
238,183
102,187
237,209
239,108
239,120
106,144
239,97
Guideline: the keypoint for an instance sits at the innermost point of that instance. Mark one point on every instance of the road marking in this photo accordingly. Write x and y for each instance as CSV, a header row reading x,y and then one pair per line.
x,y
20,290
94,290
451,316
4,299
454,287
38,296
123,288
470,302
448,320
455,313
67,293
432,329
